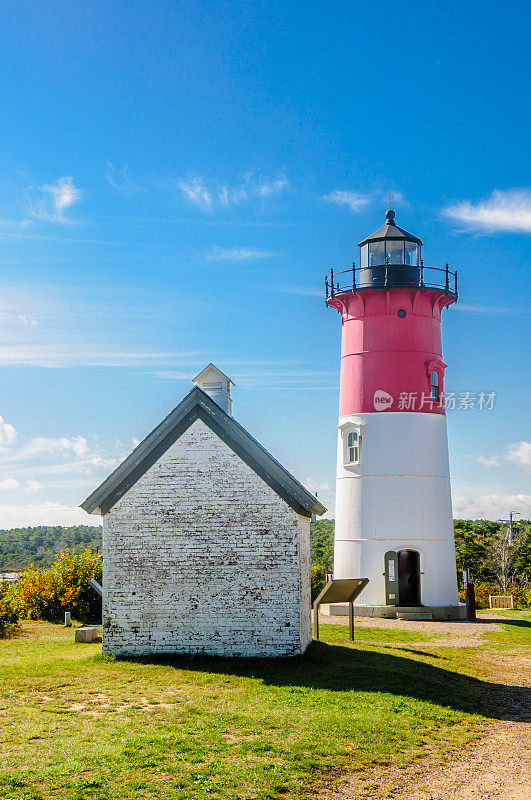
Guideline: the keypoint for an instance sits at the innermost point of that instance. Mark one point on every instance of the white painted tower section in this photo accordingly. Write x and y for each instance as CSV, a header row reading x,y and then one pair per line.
x,y
397,497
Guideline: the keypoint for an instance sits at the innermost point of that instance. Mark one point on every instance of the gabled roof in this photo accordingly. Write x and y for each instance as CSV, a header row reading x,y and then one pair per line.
x,y
198,405
217,370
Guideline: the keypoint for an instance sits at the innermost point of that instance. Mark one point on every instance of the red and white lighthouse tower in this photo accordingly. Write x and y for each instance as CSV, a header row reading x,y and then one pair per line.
x,y
393,501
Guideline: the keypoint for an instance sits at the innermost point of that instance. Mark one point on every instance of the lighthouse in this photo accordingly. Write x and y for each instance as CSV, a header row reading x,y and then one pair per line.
x,y
393,500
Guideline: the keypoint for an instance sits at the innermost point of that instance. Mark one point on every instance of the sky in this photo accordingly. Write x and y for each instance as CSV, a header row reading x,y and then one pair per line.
x,y
176,178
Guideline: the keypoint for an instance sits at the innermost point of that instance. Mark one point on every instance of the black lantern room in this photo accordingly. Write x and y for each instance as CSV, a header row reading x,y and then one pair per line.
x,y
391,256
391,259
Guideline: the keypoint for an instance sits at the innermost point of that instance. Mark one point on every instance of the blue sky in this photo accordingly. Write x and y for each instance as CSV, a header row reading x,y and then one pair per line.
x,y
176,179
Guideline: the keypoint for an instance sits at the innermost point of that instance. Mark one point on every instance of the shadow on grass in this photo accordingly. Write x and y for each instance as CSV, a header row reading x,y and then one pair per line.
x,y
344,669
501,620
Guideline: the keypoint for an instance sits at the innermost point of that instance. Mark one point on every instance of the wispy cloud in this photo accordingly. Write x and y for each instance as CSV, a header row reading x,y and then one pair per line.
x,y
59,355
356,201
301,290
49,202
498,310
489,461
40,446
265,188
234,254
207,195
121,180
508,210
196,192
518,453
489,506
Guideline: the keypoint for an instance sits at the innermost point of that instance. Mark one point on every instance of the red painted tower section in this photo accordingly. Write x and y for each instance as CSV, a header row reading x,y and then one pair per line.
x,y
391,341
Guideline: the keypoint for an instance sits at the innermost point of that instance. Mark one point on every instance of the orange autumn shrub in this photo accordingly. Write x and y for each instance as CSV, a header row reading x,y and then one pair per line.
x,y
48,593
8,614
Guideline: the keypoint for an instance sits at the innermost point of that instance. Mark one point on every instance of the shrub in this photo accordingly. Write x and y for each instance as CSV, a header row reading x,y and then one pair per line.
x,y
8,614
521,595
48,593
318,580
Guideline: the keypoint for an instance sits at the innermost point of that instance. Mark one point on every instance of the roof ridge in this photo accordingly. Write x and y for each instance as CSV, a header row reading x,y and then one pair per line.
x,y
197,404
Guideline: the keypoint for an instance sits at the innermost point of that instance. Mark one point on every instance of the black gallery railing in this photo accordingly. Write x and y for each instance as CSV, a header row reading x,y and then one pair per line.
x,y
391,276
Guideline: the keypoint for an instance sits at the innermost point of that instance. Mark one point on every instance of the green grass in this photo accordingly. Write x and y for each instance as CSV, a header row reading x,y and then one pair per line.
x,y
338,634
78,725
517,631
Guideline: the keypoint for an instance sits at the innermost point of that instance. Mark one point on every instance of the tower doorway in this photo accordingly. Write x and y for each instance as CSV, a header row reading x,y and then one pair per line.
x,y
408,578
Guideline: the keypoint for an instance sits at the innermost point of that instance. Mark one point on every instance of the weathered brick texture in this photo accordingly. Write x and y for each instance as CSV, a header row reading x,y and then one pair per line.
x,y
202,556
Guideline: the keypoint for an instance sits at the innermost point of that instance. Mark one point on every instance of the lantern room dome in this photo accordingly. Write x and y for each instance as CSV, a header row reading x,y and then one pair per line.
x,y
391,231
390,245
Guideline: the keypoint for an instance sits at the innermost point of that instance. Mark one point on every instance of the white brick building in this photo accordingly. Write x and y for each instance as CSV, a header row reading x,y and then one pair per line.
x,y
206,540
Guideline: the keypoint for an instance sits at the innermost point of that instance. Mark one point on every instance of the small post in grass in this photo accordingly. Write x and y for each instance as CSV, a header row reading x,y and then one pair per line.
x,y
68,620
351,620
316,621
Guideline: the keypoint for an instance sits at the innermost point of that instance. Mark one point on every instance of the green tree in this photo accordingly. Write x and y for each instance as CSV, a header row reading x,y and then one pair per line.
x,y
322,543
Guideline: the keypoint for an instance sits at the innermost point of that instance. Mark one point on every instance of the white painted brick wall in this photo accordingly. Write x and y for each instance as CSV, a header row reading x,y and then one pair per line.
x,y
202,556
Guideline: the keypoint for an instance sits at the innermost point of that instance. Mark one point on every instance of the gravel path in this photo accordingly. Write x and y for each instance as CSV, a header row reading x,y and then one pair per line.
x,y
498,767
462,634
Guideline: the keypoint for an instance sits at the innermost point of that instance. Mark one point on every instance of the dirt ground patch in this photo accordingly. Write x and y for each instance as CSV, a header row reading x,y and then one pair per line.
x,y
496,767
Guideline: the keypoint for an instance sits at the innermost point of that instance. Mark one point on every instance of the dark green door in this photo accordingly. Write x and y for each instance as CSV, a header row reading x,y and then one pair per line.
x,y
391,578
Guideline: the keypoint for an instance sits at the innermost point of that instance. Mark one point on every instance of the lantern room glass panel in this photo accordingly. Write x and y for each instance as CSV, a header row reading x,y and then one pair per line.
x,y
412,253
364,255
376,254
395,252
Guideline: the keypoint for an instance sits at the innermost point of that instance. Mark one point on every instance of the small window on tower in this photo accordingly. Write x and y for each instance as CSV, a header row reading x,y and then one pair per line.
x,y
434,386
352,448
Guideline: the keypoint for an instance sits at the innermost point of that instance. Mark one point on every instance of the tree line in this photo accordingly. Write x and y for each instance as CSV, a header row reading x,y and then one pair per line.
x,y
21,547
497,562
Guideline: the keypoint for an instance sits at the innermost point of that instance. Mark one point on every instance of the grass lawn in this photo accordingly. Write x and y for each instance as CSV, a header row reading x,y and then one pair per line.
x,y
77,725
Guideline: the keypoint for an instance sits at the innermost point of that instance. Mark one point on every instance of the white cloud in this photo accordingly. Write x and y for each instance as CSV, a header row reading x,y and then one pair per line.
x,y
489,310
300,290
42,445
508,210
59,354
32,486
25,320
12,516
7,434
490,506
232,197
49,202
9,483
266,188
519,453
314,485
196,192
78,444
489,461
354,200
234,254
357,201
206,196
120,179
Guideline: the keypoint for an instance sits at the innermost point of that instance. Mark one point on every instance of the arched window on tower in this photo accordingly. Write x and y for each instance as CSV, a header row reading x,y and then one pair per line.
x,y
434,386
352,447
